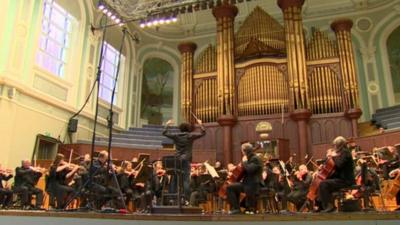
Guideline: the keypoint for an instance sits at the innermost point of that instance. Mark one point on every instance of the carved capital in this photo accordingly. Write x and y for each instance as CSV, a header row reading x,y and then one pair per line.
x,y
301,114
227,120
342,25
284,4
225,10
187,47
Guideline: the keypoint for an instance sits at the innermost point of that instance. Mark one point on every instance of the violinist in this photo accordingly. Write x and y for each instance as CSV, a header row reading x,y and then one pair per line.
x,y
341,178
59,174
301,183
124,176
26,178
5,193
103,186
251,184
160,179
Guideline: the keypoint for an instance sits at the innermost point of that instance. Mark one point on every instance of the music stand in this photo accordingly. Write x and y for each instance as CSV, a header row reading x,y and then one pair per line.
x,y
173,166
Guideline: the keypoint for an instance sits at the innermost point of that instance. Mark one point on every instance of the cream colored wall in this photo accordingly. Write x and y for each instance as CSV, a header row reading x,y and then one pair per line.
x,y
33,101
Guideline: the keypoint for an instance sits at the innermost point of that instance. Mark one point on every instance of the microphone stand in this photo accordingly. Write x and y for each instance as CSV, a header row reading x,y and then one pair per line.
x,y
97,84
111,121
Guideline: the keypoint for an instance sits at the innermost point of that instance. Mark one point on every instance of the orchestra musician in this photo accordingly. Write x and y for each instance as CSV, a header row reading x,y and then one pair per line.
x,y
342,177
251,183
394,173
5,193
59,174
183,143
301,183
26,178
124,176
100,186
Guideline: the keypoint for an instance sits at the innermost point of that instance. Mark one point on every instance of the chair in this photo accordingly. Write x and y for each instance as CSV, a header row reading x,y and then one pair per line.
x,y
268,201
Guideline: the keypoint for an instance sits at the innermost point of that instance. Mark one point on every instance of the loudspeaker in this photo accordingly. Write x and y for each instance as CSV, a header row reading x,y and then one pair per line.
x,y
72,125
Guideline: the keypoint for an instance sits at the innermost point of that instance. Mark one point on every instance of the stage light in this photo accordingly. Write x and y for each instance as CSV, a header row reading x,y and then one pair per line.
x,y
149,23
168,20
117,20
105,10
162,21
113,17
174,19
109,13
101,7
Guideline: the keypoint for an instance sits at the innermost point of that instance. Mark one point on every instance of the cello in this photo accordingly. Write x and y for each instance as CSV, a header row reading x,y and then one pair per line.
x,y
327,169
237,175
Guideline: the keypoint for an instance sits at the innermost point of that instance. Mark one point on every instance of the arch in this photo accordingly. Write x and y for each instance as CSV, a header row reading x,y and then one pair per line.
x,y
382,39
157,90
165,54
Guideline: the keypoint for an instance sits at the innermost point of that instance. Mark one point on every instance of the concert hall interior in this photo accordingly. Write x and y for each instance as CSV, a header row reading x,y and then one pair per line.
x,y
199,111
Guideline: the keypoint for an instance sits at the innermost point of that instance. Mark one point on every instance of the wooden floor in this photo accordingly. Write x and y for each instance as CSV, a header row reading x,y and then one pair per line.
x,y
375,216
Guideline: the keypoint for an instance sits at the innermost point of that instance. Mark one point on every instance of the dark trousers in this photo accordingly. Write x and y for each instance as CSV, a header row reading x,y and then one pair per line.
x,y
297,198
6,197
326,188
26,193
233,193
62,193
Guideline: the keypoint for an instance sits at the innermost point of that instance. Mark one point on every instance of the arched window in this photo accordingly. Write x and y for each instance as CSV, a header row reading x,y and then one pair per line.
x,y
55,38
393,48
157,91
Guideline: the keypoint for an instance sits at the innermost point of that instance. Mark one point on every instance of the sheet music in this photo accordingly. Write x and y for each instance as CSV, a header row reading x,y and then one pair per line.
x,y
211,170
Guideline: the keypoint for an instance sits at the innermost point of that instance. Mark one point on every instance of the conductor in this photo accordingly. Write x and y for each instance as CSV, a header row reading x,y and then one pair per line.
x,y
183,141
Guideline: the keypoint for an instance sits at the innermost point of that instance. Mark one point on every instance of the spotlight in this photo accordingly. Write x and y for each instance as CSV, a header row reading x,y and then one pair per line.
x,y
149,23
109,13
174,19
101,7
142,25
105,10
168,20
162,20
117,20
121,24
113,17
155,22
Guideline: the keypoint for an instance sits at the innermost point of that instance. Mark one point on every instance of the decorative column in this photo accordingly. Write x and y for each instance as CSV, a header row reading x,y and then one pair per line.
x,y
297,70
187,50
225,15
342,29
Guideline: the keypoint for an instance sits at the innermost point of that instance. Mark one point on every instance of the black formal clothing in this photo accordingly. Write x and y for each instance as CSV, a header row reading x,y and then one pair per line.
x,y
24,185
58,186
251,184
343,177
299,190
5,194
184,143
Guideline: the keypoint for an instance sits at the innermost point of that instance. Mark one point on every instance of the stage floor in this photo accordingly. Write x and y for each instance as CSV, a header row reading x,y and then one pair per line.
x,y
17,217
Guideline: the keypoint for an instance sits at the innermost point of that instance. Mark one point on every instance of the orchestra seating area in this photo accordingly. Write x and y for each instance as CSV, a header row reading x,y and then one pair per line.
x,y
387,118
146,137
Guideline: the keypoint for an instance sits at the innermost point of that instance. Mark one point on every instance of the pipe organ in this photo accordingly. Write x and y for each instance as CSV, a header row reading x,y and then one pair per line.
x,y
270,71
262,90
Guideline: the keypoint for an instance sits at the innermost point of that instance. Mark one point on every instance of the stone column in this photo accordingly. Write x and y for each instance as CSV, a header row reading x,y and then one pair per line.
x,y
342,29
187,50
225,16
297,70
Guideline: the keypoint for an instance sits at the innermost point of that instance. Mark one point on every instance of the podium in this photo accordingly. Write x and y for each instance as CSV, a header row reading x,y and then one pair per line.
x,y
173,167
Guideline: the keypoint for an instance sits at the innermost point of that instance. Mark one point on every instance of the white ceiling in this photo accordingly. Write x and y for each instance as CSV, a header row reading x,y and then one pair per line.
x,y
202,23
